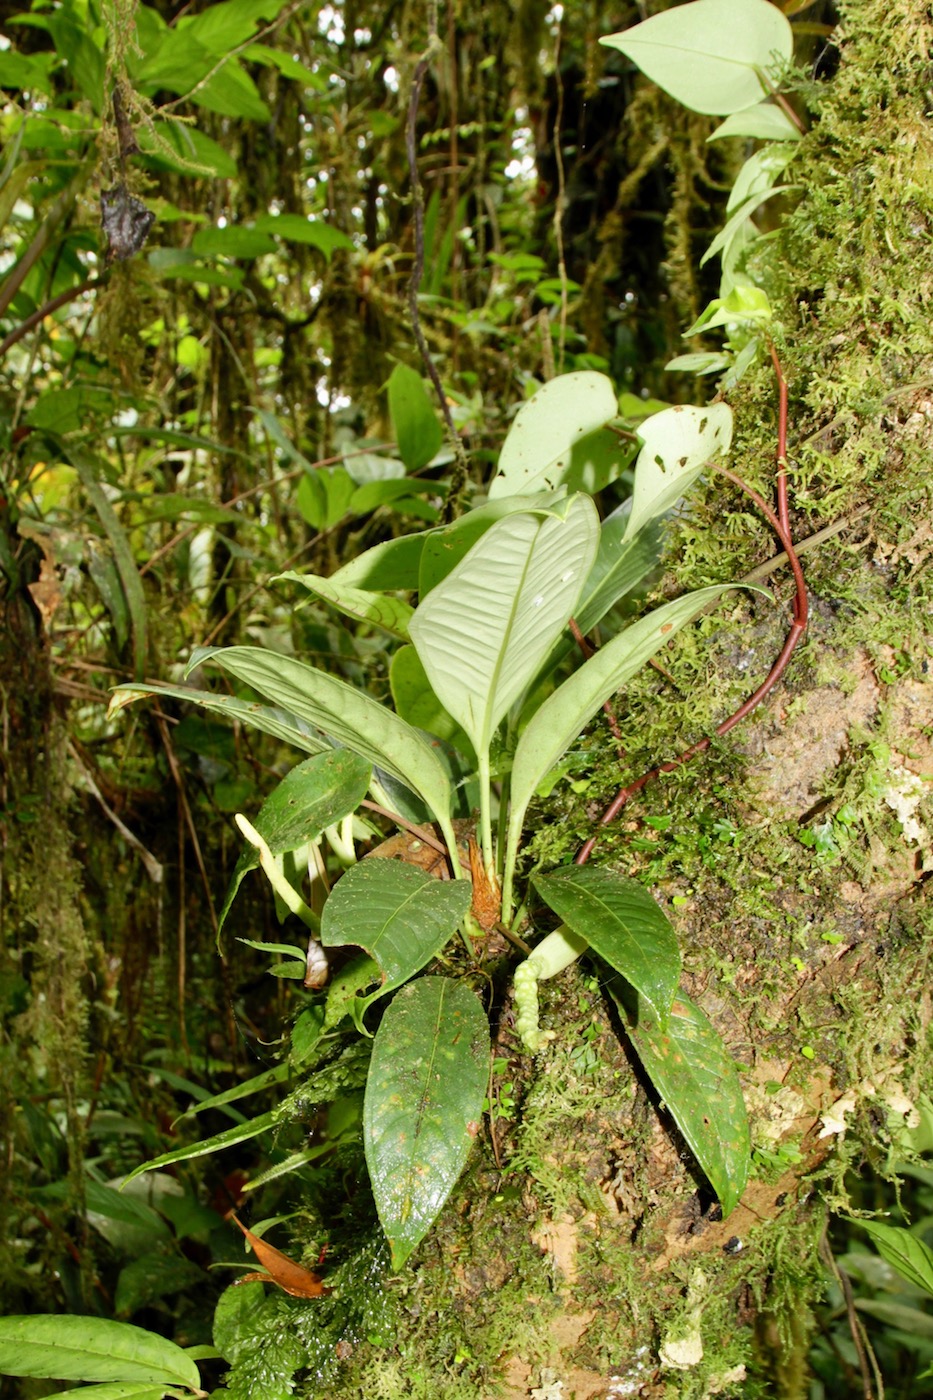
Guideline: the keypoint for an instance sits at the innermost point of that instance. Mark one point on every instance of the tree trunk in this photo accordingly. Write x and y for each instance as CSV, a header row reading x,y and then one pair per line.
x,y
792,857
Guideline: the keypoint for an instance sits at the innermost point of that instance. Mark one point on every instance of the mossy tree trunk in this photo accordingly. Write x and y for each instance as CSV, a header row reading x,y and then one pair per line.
x,y
792,857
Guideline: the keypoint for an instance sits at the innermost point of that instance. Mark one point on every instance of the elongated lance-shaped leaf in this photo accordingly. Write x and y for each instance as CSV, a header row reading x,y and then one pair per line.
x,y
347,715
278,723
423,1104
537,453
483,632
678,443
392,615
396,913
91,1349
623,924
696,1077
553,727
623,560
230,1137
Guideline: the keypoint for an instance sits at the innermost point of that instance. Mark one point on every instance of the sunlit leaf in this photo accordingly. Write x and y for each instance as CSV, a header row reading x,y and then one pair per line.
x,y
537,454
711,55
677,444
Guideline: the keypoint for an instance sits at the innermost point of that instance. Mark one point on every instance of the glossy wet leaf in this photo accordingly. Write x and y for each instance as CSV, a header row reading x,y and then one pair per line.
x,y
485,629
424,1099
537,454
711,54
91,1349
696,1077
397,914
622,923
313,796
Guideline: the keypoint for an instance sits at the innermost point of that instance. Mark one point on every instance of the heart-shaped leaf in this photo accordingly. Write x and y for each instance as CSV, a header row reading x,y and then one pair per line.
x,y
711,55
424,1101
91,1349
537,454
622,923
396,913
695,1076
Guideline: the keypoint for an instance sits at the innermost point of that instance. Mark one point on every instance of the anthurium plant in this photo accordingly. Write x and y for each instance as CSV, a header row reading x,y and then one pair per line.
x,y
488,697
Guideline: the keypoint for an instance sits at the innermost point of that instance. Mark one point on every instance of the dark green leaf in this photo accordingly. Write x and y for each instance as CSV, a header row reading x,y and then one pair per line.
x,y
230,1137
294,228
314,795
424,1098
695,1076
622,923
152,1276
396,913
233,242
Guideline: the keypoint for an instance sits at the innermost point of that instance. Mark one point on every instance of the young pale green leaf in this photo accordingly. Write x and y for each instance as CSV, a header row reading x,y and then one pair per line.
x,y
348,715
694,1074
554,726
417,429
677,445
733,228
763,122
396,913
903,1251
230,1137
711,55
537,453
622,562
448,544
759,173
701,362
392,615
423,1104
483,632
623,924
91,1349
313,796
278,723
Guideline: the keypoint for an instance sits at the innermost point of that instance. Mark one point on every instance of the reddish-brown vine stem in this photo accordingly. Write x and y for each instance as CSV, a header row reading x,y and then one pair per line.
x,y
779,522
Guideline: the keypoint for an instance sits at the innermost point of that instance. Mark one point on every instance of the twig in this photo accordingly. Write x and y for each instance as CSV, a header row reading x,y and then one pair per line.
x,y
90,284
860,1341
560,204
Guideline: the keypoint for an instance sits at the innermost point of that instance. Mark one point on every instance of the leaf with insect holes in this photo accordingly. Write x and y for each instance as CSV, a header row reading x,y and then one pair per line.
x,y
554,438
696,1077
677,445
424,1100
